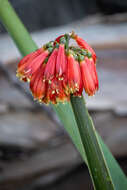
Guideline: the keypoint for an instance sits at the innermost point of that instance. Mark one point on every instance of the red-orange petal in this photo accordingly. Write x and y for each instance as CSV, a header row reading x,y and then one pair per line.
x,y
94,73
55,92
89,81
51,92
62,96
51,65
74,75
83,44
37,84
30,63
58,39
61,64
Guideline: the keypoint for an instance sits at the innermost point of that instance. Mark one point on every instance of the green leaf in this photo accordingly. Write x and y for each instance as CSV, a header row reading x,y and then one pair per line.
x,y
65,113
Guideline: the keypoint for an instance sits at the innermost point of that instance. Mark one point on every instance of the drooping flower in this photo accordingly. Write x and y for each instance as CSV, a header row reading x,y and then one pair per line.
x,y
89,76
93,70
50,68
38,84
74,76
58,71
83,44
58,91
58,39
62,92
30,63
61,63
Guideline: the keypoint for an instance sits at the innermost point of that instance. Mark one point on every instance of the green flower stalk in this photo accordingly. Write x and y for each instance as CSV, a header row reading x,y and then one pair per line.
x,y
17,31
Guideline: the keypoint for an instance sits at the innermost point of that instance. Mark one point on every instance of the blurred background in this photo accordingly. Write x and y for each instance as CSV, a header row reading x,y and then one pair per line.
x,y
35,151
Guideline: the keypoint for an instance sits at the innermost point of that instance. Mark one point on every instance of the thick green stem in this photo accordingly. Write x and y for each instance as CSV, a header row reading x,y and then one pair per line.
x,y
95,158
16,28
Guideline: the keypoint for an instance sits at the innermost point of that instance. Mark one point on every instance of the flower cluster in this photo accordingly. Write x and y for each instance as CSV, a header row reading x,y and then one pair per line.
x,y
56,71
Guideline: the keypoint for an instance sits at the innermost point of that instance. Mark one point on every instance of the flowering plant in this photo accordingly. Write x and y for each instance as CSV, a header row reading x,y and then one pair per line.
x,y
57,73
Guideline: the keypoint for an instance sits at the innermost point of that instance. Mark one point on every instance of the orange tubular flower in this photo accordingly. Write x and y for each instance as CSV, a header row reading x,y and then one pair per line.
x,y
56,92
38,84
94,73
30,63
89,77
74,76
49,72
62,95
83,44
61,63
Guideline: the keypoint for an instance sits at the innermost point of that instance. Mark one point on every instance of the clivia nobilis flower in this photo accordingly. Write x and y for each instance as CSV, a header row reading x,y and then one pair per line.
x,y
58,70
